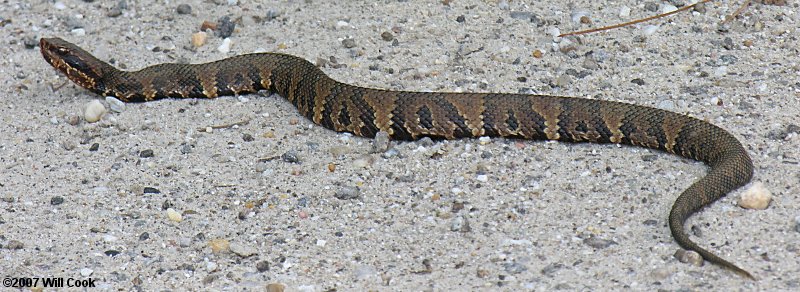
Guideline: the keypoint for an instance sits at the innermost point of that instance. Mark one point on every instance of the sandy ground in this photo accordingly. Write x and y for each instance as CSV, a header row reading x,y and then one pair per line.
x,y
89,201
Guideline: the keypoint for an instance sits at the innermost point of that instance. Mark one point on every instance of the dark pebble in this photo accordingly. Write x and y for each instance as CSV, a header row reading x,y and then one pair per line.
x,y
144,236
225,27
94,147
728,59
112,252
551,269
338,234
349,43
514,268
271,14
727,43
262,266
598,242
30,42
151,190
651,6
650,222
146,153
638,81
290,157
14,244
521,15
184,9
248,138
347,193
387,36
57,200
649,157
461,18
186,149
425,142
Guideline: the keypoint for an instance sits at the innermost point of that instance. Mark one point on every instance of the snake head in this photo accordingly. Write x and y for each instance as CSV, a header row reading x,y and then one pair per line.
x,y
77,64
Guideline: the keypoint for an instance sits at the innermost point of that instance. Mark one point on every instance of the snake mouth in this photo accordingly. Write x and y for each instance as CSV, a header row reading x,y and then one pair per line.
x,y
78,65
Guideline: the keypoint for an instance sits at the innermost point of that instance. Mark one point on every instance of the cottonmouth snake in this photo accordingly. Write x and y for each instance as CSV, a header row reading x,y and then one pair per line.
x,y
406,115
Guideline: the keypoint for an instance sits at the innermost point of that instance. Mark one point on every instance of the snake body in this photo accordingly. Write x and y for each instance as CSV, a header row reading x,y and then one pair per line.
x,y
407,115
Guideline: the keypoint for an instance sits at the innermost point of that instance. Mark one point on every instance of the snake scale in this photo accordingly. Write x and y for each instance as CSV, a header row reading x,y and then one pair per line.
x,y
407,115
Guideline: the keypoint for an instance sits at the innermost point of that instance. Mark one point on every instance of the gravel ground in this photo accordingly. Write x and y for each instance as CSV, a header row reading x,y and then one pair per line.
x,y
266,198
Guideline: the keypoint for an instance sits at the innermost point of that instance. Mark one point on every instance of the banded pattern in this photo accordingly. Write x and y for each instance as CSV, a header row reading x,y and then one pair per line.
x,y
406,115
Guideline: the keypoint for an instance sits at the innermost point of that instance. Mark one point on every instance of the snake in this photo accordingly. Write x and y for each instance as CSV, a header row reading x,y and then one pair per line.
x,y
409,115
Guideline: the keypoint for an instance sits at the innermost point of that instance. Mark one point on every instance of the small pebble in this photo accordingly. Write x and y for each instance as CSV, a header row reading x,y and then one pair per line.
x,y
211,266
689,256
349,43
290,157
199,39
57,200
347,193
797,223
115,104
460,224
14,245
598,243
94,111
756,197
147,153
225,47
262,266
225,27
387,36
219,245
242,250
650,29
174,216
381,142
275,287
624,12
73,120
86,272
150,190
184,9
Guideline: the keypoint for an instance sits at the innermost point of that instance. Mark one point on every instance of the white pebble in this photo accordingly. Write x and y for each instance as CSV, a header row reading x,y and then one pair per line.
x,y
242,250
650,29
78,32
321,242
756,197
211,266
94,111
503,5
174,215
484,140
86,272
721,71
225,47
667,8
342,24
624,11
482,178
54,120
115,104
59,5
233,2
